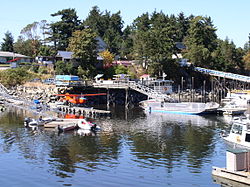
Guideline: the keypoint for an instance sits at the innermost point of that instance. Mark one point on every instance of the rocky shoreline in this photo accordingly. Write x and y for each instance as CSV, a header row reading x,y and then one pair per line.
x,y
35,91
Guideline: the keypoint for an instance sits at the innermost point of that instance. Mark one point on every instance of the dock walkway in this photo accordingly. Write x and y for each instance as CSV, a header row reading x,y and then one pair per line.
x,y
239,176
90,112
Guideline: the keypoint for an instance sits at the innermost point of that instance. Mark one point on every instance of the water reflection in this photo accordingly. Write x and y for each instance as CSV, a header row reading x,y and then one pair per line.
x,y
85,152
149,142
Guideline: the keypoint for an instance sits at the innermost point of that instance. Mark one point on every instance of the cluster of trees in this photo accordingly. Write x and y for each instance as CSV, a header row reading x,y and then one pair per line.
x,y
151,39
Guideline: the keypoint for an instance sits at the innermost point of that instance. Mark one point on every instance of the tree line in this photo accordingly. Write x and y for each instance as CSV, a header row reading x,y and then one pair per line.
x,y
152,39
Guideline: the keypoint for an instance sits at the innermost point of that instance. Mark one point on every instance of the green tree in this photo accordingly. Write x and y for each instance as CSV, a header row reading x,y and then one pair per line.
x,y
23,46
154,40
141,35
46,50
62,30
227,57
13,77
182,26
61,68
83,44
113,34
8,42
201,41
126,50
107,26
121,69
247,61
162,40
97,21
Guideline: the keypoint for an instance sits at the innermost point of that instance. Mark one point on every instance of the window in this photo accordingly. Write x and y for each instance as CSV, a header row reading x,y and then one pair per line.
x,y
247,139
237,129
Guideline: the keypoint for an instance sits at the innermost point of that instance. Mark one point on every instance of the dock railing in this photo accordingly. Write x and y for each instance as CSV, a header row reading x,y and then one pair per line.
x,y
137,86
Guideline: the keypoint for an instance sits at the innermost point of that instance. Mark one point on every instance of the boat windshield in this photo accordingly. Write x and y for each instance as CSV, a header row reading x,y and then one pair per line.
x,y
237,129
248,126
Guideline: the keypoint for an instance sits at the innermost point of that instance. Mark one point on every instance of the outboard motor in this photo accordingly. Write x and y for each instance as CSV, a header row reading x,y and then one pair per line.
x,y
93,128
27,121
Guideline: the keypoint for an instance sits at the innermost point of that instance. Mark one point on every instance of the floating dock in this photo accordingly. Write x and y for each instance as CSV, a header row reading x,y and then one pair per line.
x,y
91,112
238,176
237,166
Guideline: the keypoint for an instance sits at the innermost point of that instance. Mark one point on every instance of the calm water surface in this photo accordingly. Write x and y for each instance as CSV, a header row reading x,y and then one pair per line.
x,y
132,149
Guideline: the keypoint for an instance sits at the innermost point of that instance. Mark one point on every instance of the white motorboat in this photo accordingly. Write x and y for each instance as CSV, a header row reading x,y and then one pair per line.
x,y
239,134
33,123
87,125
190,108
241,98
232,108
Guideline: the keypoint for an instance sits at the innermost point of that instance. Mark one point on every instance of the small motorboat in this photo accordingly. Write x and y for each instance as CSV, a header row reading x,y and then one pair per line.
x,y
31,122
68,127
239,135
87,125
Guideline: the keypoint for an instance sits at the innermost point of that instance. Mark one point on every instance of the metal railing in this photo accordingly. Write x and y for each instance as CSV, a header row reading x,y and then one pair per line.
x,y
223,74
144,89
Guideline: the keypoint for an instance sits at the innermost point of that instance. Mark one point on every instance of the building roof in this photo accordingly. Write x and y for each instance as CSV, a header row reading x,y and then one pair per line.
x,y
11,54
64,54
180,45
101,45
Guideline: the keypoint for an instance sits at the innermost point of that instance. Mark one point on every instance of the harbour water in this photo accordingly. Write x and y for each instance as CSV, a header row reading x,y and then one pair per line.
x,y
132,149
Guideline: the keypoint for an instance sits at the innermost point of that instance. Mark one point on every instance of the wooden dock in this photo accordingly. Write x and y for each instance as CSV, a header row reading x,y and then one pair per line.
x,y
238,176
90,112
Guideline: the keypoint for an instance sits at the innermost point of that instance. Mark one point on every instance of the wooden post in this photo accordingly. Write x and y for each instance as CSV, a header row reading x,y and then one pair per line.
x,y
182,84
182,89
126,98
192,90
179,98
108,101
224,89
212,89
204,91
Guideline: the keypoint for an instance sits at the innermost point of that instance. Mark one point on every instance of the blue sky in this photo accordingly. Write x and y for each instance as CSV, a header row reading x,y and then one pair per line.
x,y
230,17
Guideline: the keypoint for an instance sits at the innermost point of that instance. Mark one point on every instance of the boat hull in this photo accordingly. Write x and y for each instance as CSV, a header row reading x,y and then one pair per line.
x,y
186,108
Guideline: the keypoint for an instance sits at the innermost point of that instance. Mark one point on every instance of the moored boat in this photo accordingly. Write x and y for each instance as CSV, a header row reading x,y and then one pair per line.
x,y
87,125
67,127
239,135
189,108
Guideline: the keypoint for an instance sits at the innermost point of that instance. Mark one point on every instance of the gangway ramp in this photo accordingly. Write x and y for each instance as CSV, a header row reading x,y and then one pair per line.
x,y
141,88
222,74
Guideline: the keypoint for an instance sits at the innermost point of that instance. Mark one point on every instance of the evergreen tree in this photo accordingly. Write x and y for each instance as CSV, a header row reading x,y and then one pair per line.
x,y
182,27
227,57
126,49
62,30
8,42
97,21
107,26
113,35
201,41
141,34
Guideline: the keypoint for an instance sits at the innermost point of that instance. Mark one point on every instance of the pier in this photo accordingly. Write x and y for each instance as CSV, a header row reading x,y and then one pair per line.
x,y
89,112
